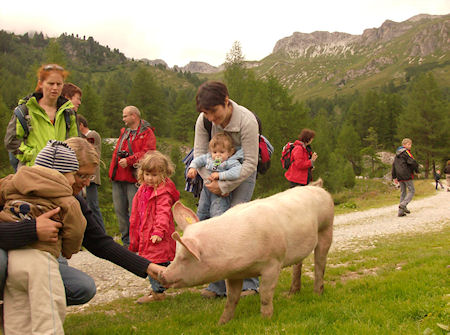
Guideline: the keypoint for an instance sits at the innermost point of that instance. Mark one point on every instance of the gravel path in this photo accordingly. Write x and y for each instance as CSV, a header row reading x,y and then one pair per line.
x,y
353,231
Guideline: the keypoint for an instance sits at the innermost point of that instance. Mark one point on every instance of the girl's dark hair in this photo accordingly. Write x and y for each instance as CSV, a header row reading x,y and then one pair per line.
x,y
210,94
306,135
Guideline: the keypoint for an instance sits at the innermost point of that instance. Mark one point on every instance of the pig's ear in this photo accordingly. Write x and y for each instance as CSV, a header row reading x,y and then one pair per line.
x,y
189,244
183,215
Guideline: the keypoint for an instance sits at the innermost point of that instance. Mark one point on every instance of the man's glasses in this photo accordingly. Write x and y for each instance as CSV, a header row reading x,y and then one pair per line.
x,y
49,67
90,177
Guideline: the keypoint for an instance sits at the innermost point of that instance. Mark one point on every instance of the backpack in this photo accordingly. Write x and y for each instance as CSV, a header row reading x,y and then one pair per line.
x,y
12,143
286,159
265,147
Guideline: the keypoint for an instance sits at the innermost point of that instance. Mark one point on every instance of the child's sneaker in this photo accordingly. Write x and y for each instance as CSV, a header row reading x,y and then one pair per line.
x,y
152,297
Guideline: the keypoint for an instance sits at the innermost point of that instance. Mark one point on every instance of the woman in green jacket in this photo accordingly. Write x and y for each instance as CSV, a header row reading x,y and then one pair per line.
x,y
47,115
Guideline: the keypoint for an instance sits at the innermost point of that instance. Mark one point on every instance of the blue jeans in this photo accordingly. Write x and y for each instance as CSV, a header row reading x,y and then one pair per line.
x,y
243,193
123,194
3,268
92,200
157,287
211,205
79,287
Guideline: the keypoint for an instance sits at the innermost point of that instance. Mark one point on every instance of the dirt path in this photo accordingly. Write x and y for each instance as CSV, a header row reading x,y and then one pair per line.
x,y
353,231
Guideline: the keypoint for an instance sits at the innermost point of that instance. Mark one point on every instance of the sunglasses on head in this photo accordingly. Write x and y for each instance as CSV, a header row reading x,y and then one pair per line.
x,y
53,67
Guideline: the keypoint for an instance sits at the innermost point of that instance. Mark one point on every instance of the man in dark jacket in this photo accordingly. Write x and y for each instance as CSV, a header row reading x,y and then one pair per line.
x,y
134,142
403,173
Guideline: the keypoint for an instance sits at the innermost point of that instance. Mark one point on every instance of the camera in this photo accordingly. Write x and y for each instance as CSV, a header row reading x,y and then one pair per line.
x,y
123,153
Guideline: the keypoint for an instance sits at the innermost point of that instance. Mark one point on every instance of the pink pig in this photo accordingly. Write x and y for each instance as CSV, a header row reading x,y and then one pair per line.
x,y
257,238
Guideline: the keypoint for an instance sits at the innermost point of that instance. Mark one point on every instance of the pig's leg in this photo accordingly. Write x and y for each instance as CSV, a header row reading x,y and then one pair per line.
x,y
234,288
320,257
296,278
269,279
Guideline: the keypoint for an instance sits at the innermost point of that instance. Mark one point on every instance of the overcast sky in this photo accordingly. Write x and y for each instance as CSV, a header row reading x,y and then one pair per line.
x,y
179,31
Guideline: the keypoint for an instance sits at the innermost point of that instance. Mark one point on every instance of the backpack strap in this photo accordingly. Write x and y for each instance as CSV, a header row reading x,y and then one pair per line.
x,y
21,112
208,126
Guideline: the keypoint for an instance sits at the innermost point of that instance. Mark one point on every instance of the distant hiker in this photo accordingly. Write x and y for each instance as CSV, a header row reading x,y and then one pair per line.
x,y
134,142
447,175
151,221
403,170
213,103
223,161
35,302
44,115
92,190
437,179
302,159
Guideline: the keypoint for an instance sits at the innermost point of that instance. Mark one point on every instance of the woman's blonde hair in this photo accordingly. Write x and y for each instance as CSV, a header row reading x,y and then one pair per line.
x,y
156,162
85,151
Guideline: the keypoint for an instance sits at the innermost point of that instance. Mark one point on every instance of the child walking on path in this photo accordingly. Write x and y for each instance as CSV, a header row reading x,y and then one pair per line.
x,y
151,221
34,297
403,173
224,163
437,179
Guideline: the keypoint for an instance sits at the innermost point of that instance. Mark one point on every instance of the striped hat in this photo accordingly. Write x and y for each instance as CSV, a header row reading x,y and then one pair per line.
x,y
58,156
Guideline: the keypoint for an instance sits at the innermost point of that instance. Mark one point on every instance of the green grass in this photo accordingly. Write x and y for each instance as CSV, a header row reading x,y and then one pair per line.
x,y
401,286
376,193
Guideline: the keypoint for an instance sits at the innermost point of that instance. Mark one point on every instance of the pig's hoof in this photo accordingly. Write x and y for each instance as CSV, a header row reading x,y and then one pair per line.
x,y
267,314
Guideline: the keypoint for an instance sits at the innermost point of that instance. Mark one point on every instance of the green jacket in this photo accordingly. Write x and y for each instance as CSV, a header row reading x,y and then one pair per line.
x,y
42,129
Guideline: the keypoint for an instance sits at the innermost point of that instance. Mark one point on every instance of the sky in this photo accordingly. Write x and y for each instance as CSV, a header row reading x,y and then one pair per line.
x,y
180,31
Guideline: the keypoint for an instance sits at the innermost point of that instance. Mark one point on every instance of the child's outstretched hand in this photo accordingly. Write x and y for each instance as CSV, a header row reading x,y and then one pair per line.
x,y
156,239
192,173
214,176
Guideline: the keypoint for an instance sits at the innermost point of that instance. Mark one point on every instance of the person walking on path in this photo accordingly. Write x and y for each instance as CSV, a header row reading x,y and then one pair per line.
x,y
134,142
403,170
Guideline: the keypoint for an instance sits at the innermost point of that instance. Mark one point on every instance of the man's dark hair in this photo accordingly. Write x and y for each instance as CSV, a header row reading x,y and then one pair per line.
x,y
81,119
306,135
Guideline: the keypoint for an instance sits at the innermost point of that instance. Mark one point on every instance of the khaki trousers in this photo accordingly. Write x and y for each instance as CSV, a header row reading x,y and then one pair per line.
x,y
34,297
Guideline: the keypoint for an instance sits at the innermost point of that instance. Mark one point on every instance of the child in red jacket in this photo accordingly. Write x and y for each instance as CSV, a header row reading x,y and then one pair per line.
x,y
151,221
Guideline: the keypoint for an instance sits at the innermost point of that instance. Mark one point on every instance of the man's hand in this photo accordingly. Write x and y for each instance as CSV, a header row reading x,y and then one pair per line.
x,y
213,176
192,173
46,229
156,239
123,162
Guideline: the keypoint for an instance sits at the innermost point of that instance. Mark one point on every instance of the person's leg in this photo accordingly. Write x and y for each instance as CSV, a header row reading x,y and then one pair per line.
x,y
79,287
120,201
411,191
241,194
158,290
204,204
131,190
3,269
219,205
92,200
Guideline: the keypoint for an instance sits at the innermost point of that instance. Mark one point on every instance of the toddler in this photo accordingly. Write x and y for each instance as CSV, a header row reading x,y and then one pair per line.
x,y
34,296
151,220
224,163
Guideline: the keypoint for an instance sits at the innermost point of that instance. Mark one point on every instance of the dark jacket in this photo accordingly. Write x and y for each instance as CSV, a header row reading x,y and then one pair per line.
x,y
404,165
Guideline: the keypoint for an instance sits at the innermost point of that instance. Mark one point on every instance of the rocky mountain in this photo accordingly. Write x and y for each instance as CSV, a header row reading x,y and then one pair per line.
x,y
322,63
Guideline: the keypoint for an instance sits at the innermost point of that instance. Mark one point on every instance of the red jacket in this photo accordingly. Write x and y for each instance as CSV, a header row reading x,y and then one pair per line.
x,y
298,171
143,141
151,214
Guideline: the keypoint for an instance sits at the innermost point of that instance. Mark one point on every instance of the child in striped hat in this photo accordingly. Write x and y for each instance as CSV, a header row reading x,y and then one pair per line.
x,y
34,296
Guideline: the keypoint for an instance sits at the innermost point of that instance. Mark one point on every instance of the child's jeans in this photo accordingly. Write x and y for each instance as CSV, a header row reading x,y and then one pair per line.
x,y
211,205
156,285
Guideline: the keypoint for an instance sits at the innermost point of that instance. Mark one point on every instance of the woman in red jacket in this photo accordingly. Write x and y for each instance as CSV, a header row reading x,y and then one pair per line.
x,y
151,221
302,160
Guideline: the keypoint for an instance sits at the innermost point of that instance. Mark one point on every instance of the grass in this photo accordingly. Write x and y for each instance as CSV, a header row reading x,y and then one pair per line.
x,y
400,286
376,193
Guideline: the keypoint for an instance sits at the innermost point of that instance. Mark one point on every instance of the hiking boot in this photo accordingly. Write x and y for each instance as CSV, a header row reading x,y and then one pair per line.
x,y
248,292
208,294
401,211
406,210
152,297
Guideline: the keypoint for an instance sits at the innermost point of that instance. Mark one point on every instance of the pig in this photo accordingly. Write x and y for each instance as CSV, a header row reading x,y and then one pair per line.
x,y
257,238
